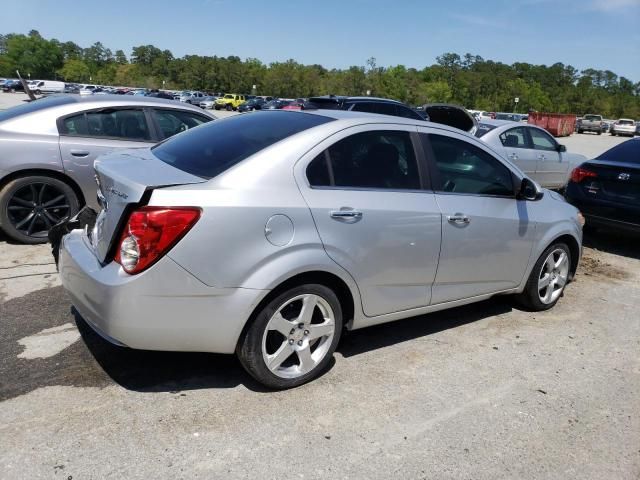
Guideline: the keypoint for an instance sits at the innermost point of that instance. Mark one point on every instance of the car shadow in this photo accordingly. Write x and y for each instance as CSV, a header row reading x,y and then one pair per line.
x,y
623,244
174,372
178,372
384,335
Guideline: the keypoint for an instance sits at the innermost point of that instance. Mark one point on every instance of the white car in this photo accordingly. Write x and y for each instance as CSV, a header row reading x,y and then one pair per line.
x,y
46,86
624,126
532,149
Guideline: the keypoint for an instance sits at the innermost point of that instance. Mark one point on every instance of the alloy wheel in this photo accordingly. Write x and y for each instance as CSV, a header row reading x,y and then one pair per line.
x,y
298,336
36,207
553,276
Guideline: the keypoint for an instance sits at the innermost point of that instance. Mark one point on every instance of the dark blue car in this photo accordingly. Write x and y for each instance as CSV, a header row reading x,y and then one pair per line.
x,y
607,188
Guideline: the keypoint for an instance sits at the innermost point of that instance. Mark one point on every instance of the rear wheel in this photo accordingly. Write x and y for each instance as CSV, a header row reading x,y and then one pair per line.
x,y
30,206
229,107
292,338
548,279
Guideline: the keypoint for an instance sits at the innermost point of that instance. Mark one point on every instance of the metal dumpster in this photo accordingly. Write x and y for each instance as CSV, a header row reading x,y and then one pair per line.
x,y
557,124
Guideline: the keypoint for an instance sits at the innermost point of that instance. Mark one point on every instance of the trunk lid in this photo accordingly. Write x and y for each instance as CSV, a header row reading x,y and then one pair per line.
x,y
616,181
124,178
451,115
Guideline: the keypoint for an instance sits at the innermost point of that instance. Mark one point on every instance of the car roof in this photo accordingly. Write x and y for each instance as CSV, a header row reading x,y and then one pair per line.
x,y
345,98
499,123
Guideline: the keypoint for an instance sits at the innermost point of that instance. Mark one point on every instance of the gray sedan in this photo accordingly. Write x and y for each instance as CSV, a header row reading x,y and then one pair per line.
x,y
47,149
532,149
266,233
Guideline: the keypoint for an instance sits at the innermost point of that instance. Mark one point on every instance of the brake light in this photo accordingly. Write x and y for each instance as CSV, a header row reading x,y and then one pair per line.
x,y
150,233
578,174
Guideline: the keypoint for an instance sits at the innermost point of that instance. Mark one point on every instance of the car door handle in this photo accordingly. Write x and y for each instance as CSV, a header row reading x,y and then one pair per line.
x,y
349,214
79,153
542,157
459,219
513,156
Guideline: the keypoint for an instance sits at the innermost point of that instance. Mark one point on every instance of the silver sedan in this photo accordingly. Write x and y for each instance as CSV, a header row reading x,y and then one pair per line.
x,y
267,233
47,149
532,149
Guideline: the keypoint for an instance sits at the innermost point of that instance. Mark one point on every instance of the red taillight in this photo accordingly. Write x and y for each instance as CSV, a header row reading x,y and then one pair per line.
x,y
580,174
150,233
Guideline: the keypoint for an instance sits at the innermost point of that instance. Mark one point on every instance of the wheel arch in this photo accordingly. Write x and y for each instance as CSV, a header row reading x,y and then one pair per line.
x,y
574,249
46,173
329,280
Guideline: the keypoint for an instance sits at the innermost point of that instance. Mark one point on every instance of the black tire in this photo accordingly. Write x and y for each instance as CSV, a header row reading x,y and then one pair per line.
x,y
14,209
229,107
599,133
249,348
529,299
37,92
613,134
580,131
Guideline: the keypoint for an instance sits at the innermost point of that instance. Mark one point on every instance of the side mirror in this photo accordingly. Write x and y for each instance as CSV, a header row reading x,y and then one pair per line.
x,y
529,190
562,148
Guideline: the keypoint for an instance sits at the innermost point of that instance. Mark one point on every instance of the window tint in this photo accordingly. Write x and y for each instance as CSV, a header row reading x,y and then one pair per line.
x,y
363,107
542,140
172,122
124,124
514,138
381,159
627,152
76,125
465,168
406,112
217,146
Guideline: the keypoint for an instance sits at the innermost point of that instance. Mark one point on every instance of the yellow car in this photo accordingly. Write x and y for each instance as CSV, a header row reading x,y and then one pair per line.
x,y
230,101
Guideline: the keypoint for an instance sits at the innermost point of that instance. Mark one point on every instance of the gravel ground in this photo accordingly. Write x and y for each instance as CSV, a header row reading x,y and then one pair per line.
x,y
484,391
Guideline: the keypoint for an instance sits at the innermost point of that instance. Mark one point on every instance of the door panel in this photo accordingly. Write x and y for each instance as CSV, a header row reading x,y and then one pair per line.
x,y
551,171
486,233
78,155
489,253
517,147
385,233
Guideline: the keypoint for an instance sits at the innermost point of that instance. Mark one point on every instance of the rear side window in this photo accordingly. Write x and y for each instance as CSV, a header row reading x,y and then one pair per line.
x,y
125,124
542,140
378,159
466,169
514,138
217,146
627,152
172,122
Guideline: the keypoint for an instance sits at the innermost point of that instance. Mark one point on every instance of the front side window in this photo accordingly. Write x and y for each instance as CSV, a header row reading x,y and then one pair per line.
x,y
172,122
514,138
542,140
378,159
467,169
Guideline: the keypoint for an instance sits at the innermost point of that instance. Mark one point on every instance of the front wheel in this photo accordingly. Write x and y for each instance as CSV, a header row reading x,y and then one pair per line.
x,y
291,340
548,279
613,134
30,206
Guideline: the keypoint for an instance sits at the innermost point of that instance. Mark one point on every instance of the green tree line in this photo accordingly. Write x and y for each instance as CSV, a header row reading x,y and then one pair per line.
x,y
469,80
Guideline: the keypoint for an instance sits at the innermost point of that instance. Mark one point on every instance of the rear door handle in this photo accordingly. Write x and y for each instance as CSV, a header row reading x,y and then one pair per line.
x,y
349,214
79,153
458,219
542,157
513,156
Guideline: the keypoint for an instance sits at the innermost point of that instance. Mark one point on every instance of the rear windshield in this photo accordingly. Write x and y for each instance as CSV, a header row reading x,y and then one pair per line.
x,y
593,118
211,149
34,106
627,152
483,128
625,122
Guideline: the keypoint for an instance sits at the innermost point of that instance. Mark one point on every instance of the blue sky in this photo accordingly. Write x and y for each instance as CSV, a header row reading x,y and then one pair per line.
x,y
603,34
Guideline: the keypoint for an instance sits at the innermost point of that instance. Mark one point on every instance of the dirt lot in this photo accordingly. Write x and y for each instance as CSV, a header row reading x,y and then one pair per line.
x,y
483,391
